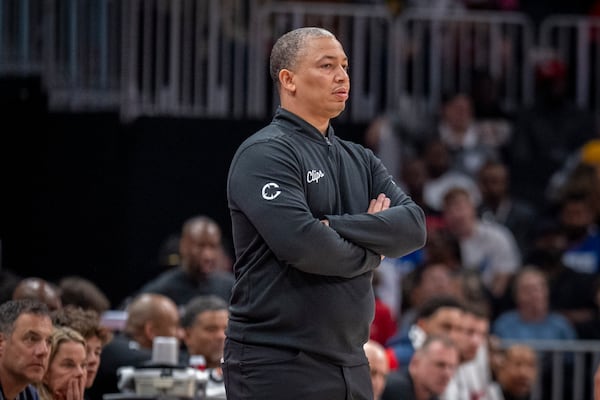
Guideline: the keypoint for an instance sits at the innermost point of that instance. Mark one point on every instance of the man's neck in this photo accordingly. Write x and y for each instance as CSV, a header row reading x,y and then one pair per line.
x,y
10,387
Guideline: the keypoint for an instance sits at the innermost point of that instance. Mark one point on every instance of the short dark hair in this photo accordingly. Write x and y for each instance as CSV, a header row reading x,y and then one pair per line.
x,y
431,306
200,304
86,322
12,309
284,53
83,293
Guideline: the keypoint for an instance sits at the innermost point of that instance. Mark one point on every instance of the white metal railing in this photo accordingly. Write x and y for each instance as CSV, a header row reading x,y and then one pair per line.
x,y
443,53
210,58
576,40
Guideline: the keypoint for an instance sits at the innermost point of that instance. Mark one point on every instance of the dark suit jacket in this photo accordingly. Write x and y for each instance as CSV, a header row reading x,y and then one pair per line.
x,y
119,352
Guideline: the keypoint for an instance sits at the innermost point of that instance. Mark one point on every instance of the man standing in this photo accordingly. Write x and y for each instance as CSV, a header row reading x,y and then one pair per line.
x,y
25,330
312,217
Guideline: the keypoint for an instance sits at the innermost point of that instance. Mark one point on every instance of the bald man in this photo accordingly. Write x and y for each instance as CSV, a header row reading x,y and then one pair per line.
x,y
148,315
379,366
38,289
198,272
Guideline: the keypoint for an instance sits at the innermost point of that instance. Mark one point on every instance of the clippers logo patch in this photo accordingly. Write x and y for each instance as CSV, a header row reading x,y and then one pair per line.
x,y
313,175
270,191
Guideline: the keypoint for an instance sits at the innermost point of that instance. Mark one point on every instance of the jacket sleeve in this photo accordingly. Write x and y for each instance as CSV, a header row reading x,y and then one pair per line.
x,y
265,185
394,232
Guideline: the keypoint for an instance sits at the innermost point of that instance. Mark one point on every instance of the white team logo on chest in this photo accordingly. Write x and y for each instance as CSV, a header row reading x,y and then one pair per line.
x,y
313,175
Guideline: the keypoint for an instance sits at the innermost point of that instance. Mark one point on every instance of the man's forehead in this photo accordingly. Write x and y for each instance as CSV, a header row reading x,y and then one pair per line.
x,y
33,322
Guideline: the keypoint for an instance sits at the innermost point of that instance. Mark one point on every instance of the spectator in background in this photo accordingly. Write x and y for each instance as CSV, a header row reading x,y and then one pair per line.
x,y
517,373
25,331
66,374
467,143
87,323
498,205
200,250
571,292
473,378
38,289
204,322
532,319
440,315
428,374
149,315
580,174
576,216
379,366
486,247
424,283
442,176
81,292
547,133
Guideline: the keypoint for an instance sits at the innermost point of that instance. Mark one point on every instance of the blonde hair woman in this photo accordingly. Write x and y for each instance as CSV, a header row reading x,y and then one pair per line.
x,y
66,373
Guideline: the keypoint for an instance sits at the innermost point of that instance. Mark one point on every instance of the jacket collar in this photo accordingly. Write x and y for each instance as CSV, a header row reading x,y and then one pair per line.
x,y
299,125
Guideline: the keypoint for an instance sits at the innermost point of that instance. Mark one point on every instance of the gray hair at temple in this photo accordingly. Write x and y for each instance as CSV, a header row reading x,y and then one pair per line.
x,y
12,309
286,49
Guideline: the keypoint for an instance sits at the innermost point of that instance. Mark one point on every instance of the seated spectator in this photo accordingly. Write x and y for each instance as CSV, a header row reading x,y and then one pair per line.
x,y
200,250
441,315
204,322
546,133
579,174
516,375
571,292
87,323
532,318
379,366
428,374
149,315
65,377
442,177
81,292
424,283
486,247
38,289
576,216
25,331
473,377
469,145
498,205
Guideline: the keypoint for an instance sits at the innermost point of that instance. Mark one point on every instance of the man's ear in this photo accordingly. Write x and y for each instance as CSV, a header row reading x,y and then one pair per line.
x,y
149,331
286,80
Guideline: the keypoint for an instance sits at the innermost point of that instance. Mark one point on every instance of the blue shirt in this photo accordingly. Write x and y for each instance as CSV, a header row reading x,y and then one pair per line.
x,y
509,325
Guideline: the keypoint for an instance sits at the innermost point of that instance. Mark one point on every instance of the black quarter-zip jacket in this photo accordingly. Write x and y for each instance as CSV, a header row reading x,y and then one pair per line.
x,y
299,283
